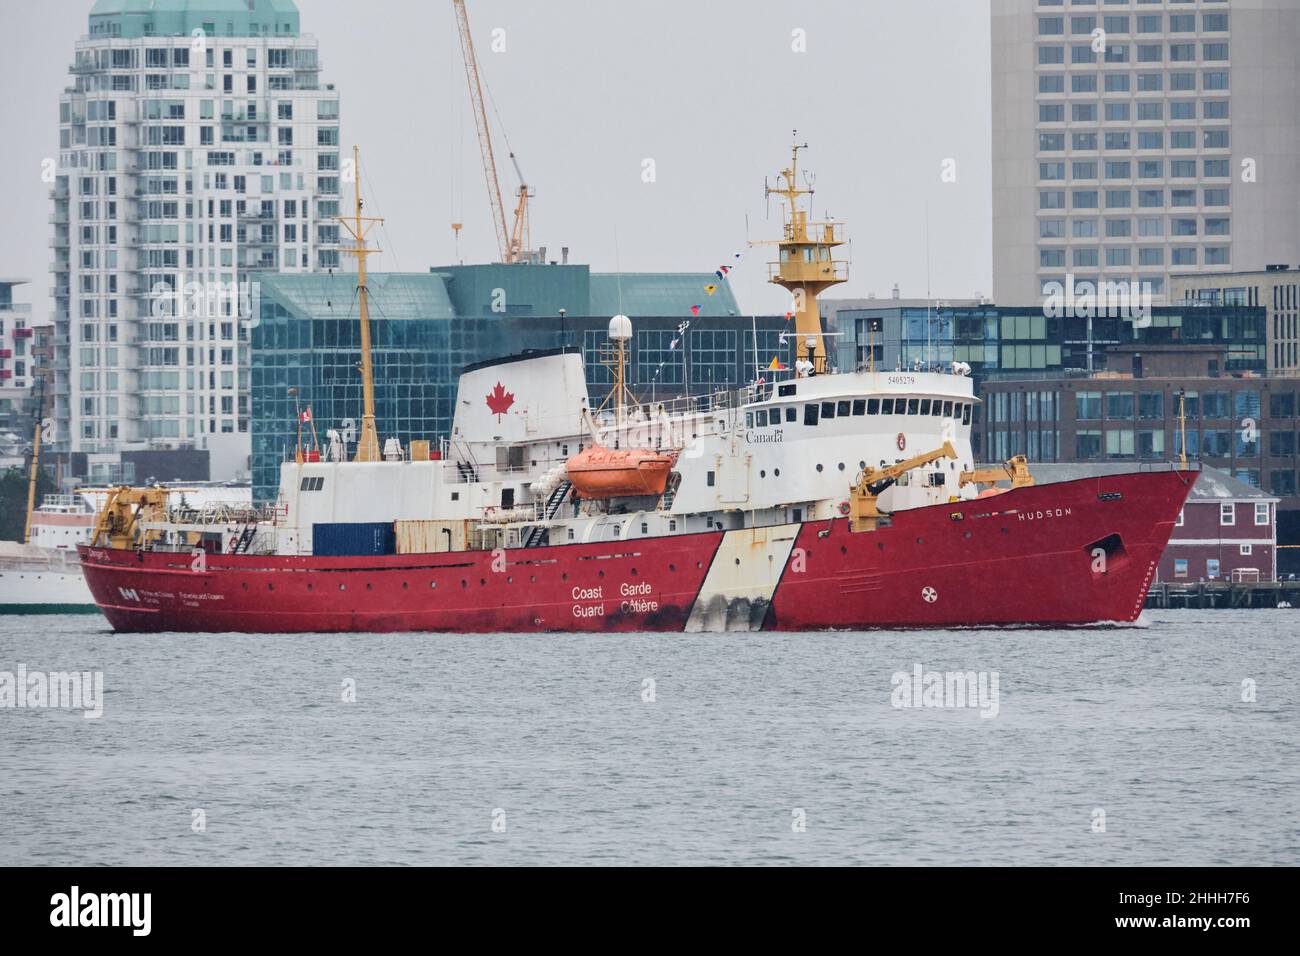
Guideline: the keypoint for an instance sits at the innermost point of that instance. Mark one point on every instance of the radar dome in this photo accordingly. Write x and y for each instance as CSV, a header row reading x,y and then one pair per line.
x,y
620,328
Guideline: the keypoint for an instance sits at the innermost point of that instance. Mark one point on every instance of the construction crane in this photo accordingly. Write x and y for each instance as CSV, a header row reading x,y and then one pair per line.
x,y
520,237
513,243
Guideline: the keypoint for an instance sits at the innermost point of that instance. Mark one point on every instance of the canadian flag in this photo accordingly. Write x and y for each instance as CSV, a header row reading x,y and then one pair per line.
x,y
306,415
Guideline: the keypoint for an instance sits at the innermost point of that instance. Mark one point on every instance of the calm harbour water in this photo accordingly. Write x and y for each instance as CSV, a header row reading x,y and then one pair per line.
x,y
1145,723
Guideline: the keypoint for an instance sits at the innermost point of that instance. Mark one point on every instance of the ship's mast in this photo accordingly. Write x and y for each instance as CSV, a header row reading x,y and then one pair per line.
x,y
359,226
806,265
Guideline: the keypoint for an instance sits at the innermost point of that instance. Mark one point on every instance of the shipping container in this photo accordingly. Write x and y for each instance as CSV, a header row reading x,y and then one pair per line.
x,y
428,537
353,538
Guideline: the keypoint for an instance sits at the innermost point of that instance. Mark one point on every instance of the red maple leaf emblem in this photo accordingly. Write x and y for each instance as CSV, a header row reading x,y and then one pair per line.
x,y
499,400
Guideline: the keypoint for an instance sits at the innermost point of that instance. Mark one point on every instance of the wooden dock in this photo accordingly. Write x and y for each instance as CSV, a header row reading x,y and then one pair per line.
x,y
1224,594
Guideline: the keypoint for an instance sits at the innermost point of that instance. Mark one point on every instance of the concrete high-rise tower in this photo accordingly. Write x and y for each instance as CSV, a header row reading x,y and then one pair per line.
x,y
1137,139
197,148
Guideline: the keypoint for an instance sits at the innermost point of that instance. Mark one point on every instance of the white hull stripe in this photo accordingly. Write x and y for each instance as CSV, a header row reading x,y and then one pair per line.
x,y
737,590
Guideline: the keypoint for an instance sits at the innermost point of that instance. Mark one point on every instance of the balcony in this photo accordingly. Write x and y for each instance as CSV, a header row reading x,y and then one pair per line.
x,y
59,192
817,271
59,218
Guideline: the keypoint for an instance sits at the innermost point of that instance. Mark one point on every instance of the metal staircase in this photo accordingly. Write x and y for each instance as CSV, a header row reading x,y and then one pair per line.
x,y
537,535
244,540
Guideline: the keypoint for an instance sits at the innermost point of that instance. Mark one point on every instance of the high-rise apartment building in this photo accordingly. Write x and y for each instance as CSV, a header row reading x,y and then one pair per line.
x,y
1136,139
197,149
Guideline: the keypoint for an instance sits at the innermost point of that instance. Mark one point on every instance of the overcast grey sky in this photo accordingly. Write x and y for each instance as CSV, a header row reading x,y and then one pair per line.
x,y
886,91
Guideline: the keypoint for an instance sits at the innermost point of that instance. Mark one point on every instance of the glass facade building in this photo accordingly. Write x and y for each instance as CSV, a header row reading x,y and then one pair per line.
x,y
426,327
1002,342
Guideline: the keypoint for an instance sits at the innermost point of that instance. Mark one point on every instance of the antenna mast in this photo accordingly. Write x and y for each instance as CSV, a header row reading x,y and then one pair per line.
x,y
359,226
806,265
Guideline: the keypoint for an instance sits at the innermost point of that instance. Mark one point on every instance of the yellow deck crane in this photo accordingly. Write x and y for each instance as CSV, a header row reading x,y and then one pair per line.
x,y
118,525
1015,470
513,243
872,482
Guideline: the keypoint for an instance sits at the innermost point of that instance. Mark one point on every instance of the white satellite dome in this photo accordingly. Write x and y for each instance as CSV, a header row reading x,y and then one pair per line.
x,y
620,328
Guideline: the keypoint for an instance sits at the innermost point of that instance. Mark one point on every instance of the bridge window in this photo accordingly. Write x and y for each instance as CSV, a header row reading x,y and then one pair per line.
x,y
810,414
762,418
947,409
965,413
887,406
828,409
925,406
312,483
859,406
842,408
912,404
873,406
749,419
790,413
938,408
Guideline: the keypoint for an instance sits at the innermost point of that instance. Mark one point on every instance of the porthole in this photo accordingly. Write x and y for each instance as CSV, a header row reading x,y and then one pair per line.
x,y
464,583
245,585
966,534
672,567
270,587
843,550
600,574
432,585
738,562
699,565
309,585
819,467
564,576
841,466
482,582
532,578
369,586
510,579
342,586
776,472
634,572
862,465
404,585
920,541
762,473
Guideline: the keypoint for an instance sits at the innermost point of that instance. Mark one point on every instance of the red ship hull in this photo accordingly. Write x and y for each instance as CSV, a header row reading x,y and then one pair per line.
x,y
1072,553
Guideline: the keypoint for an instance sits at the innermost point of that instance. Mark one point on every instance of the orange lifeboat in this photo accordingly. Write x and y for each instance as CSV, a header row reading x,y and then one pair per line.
x,y
599,472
